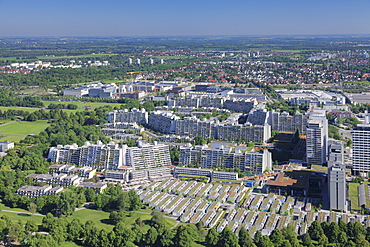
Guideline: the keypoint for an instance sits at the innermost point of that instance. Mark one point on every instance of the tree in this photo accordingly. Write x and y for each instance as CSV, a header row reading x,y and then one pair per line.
x,y
139,222
198,140
15,231
342,238
74,229
184,236
151,236
323,240
306,240
315,230
333,232
228,238
31,226
165,239
245,239
135,202
32,208
276,237
212,237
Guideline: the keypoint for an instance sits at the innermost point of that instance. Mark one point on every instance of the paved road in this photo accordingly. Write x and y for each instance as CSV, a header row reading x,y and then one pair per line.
x,y
17,212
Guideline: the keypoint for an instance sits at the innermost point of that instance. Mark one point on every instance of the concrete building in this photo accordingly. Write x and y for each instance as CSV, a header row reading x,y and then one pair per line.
x,y
58,179
104,91
163,121
243,132
36,191
192,127
147,156
111,156
102,156
240,105
317,137
361,150
336,176
5,146
225,155
337,186
84,172
283,122
97,187
132,116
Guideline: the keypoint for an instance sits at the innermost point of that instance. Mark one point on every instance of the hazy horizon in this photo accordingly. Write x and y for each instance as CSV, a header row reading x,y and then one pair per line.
x,y
114,18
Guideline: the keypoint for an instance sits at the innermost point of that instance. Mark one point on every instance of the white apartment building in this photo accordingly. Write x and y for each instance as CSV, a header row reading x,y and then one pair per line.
x,y
5,146
36,191
148,156
163,121
222,156
111,156
243,132
192,126
133,116
284,122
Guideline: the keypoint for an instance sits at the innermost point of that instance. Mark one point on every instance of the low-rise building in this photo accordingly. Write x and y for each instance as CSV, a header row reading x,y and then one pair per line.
x,y
36,191
97,187
5,146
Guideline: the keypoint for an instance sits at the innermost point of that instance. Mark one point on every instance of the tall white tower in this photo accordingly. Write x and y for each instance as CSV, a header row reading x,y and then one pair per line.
x,y
317,137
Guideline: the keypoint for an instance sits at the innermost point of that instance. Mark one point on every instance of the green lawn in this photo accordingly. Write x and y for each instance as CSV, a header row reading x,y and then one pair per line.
x,y
17,131
78,56
5,108
69,244
98,217
23,217
353,189
81,105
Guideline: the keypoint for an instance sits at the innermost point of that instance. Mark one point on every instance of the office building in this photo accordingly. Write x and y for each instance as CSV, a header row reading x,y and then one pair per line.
x,y
316,140
337,186
361,150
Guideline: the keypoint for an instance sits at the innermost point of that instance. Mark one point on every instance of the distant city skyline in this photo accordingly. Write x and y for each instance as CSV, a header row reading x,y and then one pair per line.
x,y
171,18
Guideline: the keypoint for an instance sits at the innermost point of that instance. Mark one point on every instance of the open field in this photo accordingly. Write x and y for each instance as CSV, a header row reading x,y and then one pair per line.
x,y
17,131
78,56
98,217
16,217
28,109
81,105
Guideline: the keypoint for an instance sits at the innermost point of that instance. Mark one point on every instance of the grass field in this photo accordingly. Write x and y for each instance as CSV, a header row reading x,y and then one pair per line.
x,y
14,217
98,217
17,131
81,105
5,108
353,189
78,56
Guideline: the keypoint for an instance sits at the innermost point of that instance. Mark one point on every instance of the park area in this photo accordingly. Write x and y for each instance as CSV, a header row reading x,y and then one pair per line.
x,y
17,130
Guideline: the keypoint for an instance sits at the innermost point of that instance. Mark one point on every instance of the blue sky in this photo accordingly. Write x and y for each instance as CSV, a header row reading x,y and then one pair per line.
x,y
174,17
